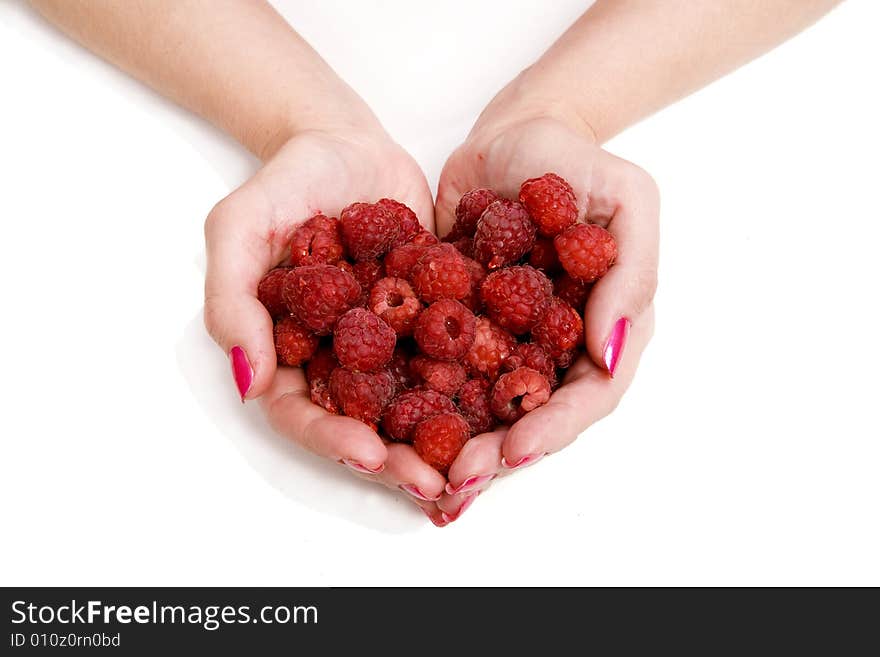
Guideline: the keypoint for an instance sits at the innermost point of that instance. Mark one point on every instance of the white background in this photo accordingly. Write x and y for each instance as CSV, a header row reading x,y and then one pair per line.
x,y
746,452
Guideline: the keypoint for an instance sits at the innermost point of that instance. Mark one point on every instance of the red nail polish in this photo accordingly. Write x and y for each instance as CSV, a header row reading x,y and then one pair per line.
x,y
360,467
469,484
525,461
415,492
438,522
464,507
242,371
616,343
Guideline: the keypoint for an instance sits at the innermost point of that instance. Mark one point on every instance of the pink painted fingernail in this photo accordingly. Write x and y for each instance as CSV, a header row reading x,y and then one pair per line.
x,y
242,371
447,518
469,484
616,343
416,493
438,522
360,467
525,461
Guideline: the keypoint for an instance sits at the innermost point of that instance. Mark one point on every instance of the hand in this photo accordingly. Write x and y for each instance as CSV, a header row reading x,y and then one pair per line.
x,y
500,153
247,234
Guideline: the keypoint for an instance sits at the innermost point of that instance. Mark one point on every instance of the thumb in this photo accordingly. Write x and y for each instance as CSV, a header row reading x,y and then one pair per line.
x,y
620,297
237,321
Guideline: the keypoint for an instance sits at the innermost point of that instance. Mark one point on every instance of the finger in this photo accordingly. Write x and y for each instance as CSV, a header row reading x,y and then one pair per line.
x,y
629,198
237,260
476,464
291,413
586,395
406,471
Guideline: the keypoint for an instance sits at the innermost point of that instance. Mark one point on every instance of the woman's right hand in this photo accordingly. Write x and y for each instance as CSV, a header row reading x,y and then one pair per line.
x,y
247,234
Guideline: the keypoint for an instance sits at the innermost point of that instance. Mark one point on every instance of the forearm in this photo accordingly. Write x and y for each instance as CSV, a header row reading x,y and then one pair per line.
x,y
625,59
237,63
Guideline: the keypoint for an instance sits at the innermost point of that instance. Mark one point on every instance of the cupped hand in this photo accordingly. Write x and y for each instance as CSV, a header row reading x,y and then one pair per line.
x,y
248,233
500,154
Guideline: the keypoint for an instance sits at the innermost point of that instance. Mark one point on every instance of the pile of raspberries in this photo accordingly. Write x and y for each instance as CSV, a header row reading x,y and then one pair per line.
x,y
432,342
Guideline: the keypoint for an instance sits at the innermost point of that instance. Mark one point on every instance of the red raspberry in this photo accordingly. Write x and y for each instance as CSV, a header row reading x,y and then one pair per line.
x,y
439,439
318,241
411,407
492,345
559,331
399,368
441,273
464,245
586,251
518,392
318,373
473,402
551,203
294,343
533,356
400,261
444,376
424,238
572,291
393,300
445,330
478,274
505,233
407,221
368,230
362,395
367,272
362,341
269,292
515,297
468,211
543,256
318,295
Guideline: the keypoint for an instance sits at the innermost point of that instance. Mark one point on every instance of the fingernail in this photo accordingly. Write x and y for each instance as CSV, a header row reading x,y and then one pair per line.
x,y
447,518
525,461
469,484
416,493
241,370
360,467
616,343
438,522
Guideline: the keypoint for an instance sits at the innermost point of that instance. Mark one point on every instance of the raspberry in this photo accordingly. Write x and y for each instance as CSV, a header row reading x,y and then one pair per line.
x,y
318,372
445,330
516,297
464,245
362,395
478,274
424,238
543,256
407,222
316,242
411,407
367,272
393,300
294,343
446,377
400,261
559,331
468,211
318,295
441,273
551,203
505,233
533,356
572,291
269,292
473,402
586,251
399,368
492,345
518,392
439,439
368,230
362,341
